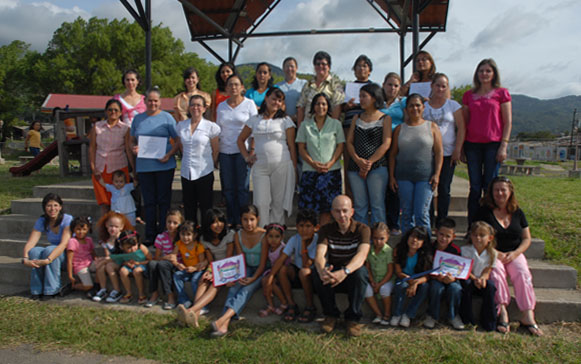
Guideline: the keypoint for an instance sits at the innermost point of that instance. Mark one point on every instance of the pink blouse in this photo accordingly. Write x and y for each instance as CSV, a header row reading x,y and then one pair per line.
x,y
110,142
485,124
128,111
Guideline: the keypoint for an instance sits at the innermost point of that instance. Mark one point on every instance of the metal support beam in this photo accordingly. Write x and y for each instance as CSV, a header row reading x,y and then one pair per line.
x,y
202,15
402,55
422,45
143,18
415,29
212,52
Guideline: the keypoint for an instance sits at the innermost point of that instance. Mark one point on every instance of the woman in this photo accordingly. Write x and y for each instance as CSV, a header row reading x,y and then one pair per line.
x,y
45,279
109,150
415,162
219,95
362,69
198,140
181,101
231,117
425,70
368,140
395,108
155,175
320,140
447,114
131,101
487,110
513,237
261,83
275,161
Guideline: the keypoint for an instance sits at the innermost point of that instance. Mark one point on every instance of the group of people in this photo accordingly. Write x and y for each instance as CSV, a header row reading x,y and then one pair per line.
x,y
397,149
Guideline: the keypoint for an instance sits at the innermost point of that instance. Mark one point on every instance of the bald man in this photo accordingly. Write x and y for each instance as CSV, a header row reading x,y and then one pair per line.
x,y
341,252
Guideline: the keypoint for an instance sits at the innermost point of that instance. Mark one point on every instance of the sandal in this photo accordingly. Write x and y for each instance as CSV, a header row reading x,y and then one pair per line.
x,y
142,300
503,327
307,315
533,329
126,299
291,313
266,311
281,309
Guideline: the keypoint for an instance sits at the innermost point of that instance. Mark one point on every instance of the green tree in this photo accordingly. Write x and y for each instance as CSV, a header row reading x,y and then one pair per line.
x,y
458,92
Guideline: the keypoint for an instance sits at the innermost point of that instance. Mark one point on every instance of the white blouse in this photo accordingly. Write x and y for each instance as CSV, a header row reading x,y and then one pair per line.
x,y
232,121
270,141
197,155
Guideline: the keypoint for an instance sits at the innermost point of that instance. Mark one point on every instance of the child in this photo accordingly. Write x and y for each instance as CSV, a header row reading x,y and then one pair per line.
x,y
412,255
445,234
379,265
121,198
133,259
274,236
110,227
192,261
302,248
218,241
482,252
33,141
161,267
248,241
81,255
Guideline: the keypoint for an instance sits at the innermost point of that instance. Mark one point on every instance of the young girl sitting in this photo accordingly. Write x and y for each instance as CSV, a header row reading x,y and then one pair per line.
x,y
482,252
161,267
192,261
133,259
274,236
81,255
412,255
121,198
110,227
379,265
249,242
218,242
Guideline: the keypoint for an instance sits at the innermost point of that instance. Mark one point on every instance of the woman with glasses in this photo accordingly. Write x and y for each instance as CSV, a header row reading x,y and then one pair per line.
x,y
109,150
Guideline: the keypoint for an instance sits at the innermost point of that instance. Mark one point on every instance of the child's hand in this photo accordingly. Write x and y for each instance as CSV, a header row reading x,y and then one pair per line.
x,y
230,284
448,278
129,264
376,288
181,266
191,269
245,281
72,279
208,276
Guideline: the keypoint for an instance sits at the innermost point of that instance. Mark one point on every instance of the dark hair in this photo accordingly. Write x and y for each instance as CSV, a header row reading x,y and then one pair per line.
x,y
288,59
432,69
488,199
446,222
314,102
380,226
219,81
188,227
322,55
210,217
255,81
120,173
32,125
307,215
48,198
188,72
279,94
127,238
113,101
129,71
249,209
365,59
414,96
495,78
80,221
424,253
375,91
101,224
154,89
275,226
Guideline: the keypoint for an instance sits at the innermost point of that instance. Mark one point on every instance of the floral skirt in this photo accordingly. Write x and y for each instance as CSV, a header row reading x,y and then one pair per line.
x,y
317,190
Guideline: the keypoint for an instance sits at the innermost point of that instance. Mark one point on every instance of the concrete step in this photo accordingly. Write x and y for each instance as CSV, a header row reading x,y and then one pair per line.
x,y
554,305
17,224
547,275
12,272
535,251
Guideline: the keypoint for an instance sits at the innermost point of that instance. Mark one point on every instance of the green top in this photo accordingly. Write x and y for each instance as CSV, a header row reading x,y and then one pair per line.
x,y
380,262
321,144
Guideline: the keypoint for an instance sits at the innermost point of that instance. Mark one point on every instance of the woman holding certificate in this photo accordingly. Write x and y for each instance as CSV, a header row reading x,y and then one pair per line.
x,y
155,164
425,70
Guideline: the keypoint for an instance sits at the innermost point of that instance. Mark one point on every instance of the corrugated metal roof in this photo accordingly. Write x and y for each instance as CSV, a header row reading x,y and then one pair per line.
x,y
87,102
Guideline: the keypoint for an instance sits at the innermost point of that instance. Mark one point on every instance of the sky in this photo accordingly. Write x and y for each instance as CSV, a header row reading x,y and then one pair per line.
x,y
535,43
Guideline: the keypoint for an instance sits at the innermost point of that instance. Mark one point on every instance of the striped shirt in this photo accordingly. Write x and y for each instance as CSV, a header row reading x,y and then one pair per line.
x,y
110,142
341,248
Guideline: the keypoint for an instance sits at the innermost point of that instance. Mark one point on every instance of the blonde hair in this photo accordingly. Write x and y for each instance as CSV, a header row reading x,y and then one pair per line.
x,y
490,247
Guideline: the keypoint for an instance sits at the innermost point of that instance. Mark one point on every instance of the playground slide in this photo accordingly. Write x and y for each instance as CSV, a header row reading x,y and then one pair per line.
x,y
38,162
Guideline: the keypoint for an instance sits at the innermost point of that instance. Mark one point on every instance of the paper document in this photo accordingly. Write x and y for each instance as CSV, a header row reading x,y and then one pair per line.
x,y
151,147
352,91
422,88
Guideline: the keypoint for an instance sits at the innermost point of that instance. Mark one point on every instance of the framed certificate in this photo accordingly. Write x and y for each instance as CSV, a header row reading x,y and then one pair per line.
x,y
228,270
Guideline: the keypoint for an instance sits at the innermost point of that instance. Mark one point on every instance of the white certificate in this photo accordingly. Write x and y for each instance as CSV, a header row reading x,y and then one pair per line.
x,y
228,270
151,147
459,267
422,88
352,91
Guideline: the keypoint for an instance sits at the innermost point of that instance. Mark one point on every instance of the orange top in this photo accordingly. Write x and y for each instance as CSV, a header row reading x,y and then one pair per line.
x,y
190,256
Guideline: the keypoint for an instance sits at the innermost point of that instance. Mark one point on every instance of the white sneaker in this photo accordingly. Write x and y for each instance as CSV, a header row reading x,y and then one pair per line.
x,y
405,321
429,322
384,322
204,311
100,295
376,320
394,320
457,323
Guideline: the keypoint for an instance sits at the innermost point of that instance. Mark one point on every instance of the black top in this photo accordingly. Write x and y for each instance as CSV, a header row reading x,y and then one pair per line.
x,y
451,248
343,247
508,239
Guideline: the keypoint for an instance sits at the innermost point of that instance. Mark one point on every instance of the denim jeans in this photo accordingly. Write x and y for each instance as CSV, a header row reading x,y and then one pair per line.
x,y
234,177
482,168
45,280
156,191
369,193
239,295
179,278
399,295
453,292
444,184
415,199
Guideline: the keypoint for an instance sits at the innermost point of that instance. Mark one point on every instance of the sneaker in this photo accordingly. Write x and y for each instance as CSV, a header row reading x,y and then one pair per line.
x,y
429,322
376,320
151,303
395,320
168,306
204,311
114,296
100,296
405,321
328,324
354,328
457,323
384,322
188,304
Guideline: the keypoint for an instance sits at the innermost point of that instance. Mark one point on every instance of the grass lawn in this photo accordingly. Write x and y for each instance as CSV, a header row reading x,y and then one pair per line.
x,y
158,337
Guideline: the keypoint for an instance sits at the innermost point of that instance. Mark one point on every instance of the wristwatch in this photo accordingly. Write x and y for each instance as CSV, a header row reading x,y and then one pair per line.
x,y
346,270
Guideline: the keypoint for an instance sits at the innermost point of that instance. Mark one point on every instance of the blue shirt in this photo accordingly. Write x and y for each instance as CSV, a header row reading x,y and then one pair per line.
x,y
161,125
121,200
293,249
395,111
51,236
410,264
256,96
292,92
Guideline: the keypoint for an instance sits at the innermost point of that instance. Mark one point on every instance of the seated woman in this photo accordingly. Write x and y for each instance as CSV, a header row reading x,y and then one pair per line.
x,y
46,262
513,237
